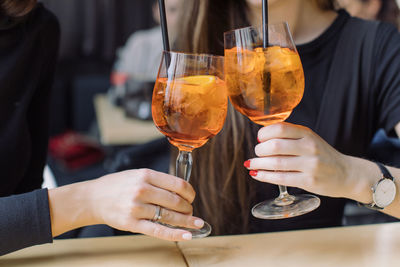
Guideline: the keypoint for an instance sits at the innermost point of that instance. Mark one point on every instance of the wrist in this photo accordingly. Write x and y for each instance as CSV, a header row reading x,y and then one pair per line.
x,y
70,207
361,176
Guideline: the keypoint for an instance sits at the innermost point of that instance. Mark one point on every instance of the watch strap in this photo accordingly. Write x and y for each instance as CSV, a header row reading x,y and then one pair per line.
x,y
371,206
385,171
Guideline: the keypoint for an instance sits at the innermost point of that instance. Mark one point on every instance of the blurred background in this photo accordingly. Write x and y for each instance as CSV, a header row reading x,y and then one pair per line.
x,y
93,33
108,61
92,30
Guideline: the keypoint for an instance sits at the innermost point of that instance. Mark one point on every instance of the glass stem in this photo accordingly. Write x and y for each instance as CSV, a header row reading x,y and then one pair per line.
x,y
284,197
283,191
184,164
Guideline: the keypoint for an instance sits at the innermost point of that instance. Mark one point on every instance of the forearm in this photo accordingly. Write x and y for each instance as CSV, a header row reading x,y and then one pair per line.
x,y
70,207
362,175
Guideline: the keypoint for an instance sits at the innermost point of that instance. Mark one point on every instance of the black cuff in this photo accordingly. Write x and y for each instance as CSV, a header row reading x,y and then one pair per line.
x,y
24,221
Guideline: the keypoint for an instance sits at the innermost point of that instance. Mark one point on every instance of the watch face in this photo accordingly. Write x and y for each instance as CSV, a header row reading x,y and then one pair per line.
x,y
384,193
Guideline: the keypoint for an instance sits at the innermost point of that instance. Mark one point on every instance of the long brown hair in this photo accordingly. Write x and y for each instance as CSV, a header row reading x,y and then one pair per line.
x,y
220,182
225,192
326,4
389,12
16,8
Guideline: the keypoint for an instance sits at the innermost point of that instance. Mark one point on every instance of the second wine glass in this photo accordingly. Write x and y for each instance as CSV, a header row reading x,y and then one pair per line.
x,y
266,84
189,107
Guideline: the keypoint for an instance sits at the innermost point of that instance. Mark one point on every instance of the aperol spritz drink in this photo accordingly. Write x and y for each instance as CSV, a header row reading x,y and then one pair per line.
x,y
190,110
266,84
189,107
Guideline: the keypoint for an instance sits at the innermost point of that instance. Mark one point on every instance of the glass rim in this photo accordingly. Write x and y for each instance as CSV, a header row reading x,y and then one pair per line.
x,y
285,23
193,54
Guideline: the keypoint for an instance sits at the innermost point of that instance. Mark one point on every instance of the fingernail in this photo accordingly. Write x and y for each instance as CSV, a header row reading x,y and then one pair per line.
x,y
253,173
258,139
199,223
247,164
187,236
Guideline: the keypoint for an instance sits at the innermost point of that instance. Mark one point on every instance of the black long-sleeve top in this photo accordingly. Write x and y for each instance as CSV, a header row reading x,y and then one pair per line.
x,y
28,53
344,116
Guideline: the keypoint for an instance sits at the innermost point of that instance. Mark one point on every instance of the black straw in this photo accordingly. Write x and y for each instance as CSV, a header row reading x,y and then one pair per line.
x,y
164,30
265,23
164,26
266,74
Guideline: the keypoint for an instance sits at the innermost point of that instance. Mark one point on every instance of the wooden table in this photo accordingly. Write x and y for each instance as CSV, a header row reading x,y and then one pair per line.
x,y
371,245
117,129
112,251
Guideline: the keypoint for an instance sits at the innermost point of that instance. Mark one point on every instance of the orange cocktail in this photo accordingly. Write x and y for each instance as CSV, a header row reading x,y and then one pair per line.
x,y
264,84
189,110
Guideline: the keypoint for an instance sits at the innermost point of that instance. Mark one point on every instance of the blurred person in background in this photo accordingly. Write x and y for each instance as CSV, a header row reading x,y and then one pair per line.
x,y
141,55
339,113
383,10
140,58
130,201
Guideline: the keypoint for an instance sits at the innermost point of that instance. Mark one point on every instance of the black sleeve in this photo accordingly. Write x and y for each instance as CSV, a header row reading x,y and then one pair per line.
x,y
24,221
38,112
25,218
387,82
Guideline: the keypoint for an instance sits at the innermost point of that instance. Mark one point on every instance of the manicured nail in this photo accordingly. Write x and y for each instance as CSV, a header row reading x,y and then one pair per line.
x,y
253,173
199,223
258,139
247,164
187,236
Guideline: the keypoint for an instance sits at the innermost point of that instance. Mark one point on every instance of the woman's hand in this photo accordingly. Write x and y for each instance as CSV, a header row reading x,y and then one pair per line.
x,y
295,156
127,201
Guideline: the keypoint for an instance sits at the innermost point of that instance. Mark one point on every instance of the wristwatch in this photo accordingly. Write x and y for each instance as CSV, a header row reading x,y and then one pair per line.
x,y
383,192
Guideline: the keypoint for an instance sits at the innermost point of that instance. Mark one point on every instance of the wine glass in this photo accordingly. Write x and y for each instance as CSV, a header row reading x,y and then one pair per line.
x,y
266,84
189,107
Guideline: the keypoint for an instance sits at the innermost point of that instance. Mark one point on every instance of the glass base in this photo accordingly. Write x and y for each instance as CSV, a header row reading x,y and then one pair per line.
x,y
196,233
289,207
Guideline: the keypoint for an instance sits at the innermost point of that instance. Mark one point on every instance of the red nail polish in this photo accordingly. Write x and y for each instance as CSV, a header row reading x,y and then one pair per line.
x,y
258,139
253,173
247,164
